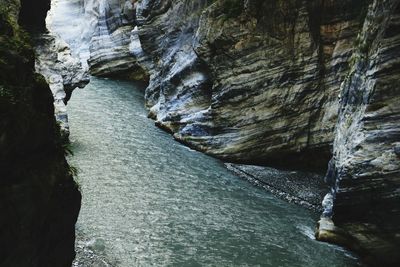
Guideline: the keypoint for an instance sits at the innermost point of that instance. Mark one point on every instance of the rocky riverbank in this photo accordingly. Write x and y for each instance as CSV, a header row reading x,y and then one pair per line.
x,y
302,188
87,253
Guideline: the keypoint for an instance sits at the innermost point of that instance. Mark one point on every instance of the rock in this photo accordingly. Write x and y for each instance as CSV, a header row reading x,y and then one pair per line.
x,y
305,189
397,150
40,201
328,232
292,84
62,71
282,83
101,36
66,20
240,85
367,172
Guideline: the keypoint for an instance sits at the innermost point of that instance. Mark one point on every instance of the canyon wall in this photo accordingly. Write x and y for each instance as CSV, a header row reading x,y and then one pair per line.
x,y
290,84
40,201
249,81
62,71
365,168
293,84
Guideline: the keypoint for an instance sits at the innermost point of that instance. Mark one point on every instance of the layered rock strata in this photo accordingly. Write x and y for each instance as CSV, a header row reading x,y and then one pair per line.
x,y
39,201
100,34
62,69
249,81
264,81
283,83
365,168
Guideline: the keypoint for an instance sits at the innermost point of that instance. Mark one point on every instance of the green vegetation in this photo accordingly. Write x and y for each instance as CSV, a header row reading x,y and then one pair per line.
x,y
73,171
67,148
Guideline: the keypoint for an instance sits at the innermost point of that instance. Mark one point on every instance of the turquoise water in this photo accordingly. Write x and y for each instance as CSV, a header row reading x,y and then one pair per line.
x,y
149,201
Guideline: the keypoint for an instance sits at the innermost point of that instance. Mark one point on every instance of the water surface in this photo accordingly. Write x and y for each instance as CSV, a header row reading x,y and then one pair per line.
x,y
149,201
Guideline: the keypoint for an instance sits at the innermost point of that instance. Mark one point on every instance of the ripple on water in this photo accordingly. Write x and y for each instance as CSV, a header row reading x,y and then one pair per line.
x,y
152,201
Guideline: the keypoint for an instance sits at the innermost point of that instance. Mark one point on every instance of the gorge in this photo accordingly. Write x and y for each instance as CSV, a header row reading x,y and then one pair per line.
x,y
296,85
147,200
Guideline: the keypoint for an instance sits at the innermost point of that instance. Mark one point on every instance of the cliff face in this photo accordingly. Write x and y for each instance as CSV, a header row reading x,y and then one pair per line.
x,y
62,71
249,81
285,83
101,35
264,82
39,199
365,169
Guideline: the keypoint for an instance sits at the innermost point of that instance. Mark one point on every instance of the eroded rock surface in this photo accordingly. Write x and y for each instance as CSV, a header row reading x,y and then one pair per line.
x,y
282,83
365,169
62,71
100,34
264,82
249,81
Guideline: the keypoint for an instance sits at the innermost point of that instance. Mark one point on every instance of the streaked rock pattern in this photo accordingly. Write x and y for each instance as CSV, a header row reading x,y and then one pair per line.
x,y
280,83
263,82
249,81
67,20
100,35
365,169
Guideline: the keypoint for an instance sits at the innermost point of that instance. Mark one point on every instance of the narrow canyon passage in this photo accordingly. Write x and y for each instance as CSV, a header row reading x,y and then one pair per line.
x,y
147,200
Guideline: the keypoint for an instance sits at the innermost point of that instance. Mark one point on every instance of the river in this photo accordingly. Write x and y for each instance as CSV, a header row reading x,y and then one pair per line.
x,y
150,201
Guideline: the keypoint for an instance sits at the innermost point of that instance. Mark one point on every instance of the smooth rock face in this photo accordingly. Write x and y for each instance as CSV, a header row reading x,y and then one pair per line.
x,y
257,83
365,170
39,201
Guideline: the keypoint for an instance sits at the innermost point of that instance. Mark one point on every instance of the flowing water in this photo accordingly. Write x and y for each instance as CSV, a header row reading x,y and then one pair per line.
x,y
149,201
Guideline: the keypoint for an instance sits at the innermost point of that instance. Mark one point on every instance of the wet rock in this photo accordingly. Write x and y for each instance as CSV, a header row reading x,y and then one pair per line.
x,y
280,83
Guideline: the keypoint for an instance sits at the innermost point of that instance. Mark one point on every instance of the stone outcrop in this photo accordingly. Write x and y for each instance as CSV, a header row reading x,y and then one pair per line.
x,y
39,200
62,71
249,81
100,35
365,168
